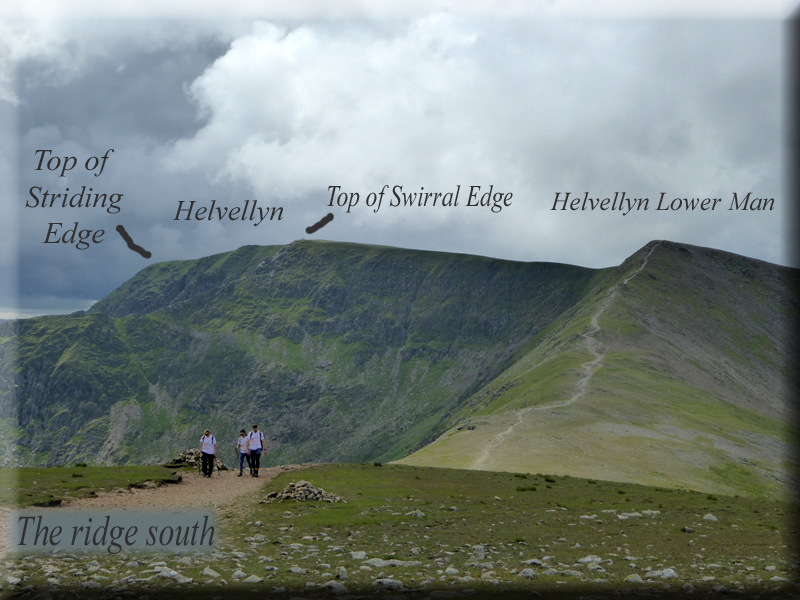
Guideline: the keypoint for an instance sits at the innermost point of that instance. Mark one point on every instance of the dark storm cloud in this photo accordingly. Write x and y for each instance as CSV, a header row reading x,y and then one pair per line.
x,y
124,94
128,95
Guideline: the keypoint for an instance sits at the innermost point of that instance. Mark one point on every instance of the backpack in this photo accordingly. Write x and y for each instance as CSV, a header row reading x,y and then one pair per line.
x,y
250,438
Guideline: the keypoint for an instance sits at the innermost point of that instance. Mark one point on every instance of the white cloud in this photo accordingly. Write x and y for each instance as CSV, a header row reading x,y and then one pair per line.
x,y
532,109
33,41
337,9
292,112
529,106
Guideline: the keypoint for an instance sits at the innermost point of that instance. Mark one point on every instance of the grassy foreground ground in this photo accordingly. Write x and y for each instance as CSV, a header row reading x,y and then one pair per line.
x,y
417,532
51,486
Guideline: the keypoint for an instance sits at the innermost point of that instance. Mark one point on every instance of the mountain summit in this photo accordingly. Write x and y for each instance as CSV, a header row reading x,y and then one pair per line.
x,y
667,369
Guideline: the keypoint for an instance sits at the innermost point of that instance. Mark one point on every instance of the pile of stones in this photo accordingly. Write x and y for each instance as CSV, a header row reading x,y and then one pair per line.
x,y
302,491
191,458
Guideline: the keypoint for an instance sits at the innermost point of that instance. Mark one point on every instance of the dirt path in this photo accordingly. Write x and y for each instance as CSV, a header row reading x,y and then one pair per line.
x,y
221,491
194,491
593,346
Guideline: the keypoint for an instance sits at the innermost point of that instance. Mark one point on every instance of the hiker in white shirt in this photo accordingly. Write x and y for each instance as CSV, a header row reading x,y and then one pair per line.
x,y
255,443
242,446
208,449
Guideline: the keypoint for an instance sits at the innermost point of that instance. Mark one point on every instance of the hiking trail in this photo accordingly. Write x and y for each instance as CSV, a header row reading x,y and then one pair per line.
x,y
592,345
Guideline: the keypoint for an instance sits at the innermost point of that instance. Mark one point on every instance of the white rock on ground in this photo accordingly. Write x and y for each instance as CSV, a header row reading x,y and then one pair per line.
x,y
389,584
90,585
335,587
590,559
376,562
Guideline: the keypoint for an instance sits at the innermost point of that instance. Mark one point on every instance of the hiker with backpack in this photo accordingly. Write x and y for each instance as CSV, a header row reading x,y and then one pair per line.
x,y
255,442
208,452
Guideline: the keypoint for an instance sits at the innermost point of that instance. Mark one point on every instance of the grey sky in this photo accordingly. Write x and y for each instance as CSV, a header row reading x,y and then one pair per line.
x,y
279,110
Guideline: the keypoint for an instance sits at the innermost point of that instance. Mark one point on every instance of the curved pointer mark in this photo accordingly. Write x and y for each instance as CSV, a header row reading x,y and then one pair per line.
x,y
131,245
320,224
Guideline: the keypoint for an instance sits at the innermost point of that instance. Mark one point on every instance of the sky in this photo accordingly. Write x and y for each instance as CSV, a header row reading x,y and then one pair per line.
x,y
277,106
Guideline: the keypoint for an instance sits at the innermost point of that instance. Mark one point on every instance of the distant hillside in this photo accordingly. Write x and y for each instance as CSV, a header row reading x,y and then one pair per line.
x,y
669,368
340,351
677,374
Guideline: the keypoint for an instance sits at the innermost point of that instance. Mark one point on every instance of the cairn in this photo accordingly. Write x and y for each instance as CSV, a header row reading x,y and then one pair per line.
x,y
191,458
302,491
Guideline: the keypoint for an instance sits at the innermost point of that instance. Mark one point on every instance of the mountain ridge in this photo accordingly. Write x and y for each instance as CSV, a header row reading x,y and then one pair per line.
x,y
358,352
617,401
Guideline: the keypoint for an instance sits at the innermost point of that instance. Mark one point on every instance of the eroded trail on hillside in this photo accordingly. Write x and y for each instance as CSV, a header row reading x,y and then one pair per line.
x,y
592,345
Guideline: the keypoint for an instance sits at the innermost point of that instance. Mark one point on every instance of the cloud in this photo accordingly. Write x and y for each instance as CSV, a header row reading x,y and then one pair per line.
x,y
53,53
366,9
280,111
292,112
534,109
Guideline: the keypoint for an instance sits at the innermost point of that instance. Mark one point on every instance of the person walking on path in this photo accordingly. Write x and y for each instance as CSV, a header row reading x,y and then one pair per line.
x,y
255,443
208,449
241,446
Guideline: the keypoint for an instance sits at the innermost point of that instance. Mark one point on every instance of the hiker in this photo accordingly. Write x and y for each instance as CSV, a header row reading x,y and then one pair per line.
x,y
208,449
255,442
241,446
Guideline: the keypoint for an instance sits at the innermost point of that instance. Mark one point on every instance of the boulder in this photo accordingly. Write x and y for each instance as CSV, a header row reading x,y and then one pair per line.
x,y
390,584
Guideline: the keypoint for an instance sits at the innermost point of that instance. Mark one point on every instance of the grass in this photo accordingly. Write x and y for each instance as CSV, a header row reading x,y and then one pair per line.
x,y
463,509
665,417
659,410
55,485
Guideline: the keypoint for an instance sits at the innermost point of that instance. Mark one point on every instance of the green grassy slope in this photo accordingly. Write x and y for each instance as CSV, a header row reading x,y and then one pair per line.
x,y
41,486
668,370
690,390
340,351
